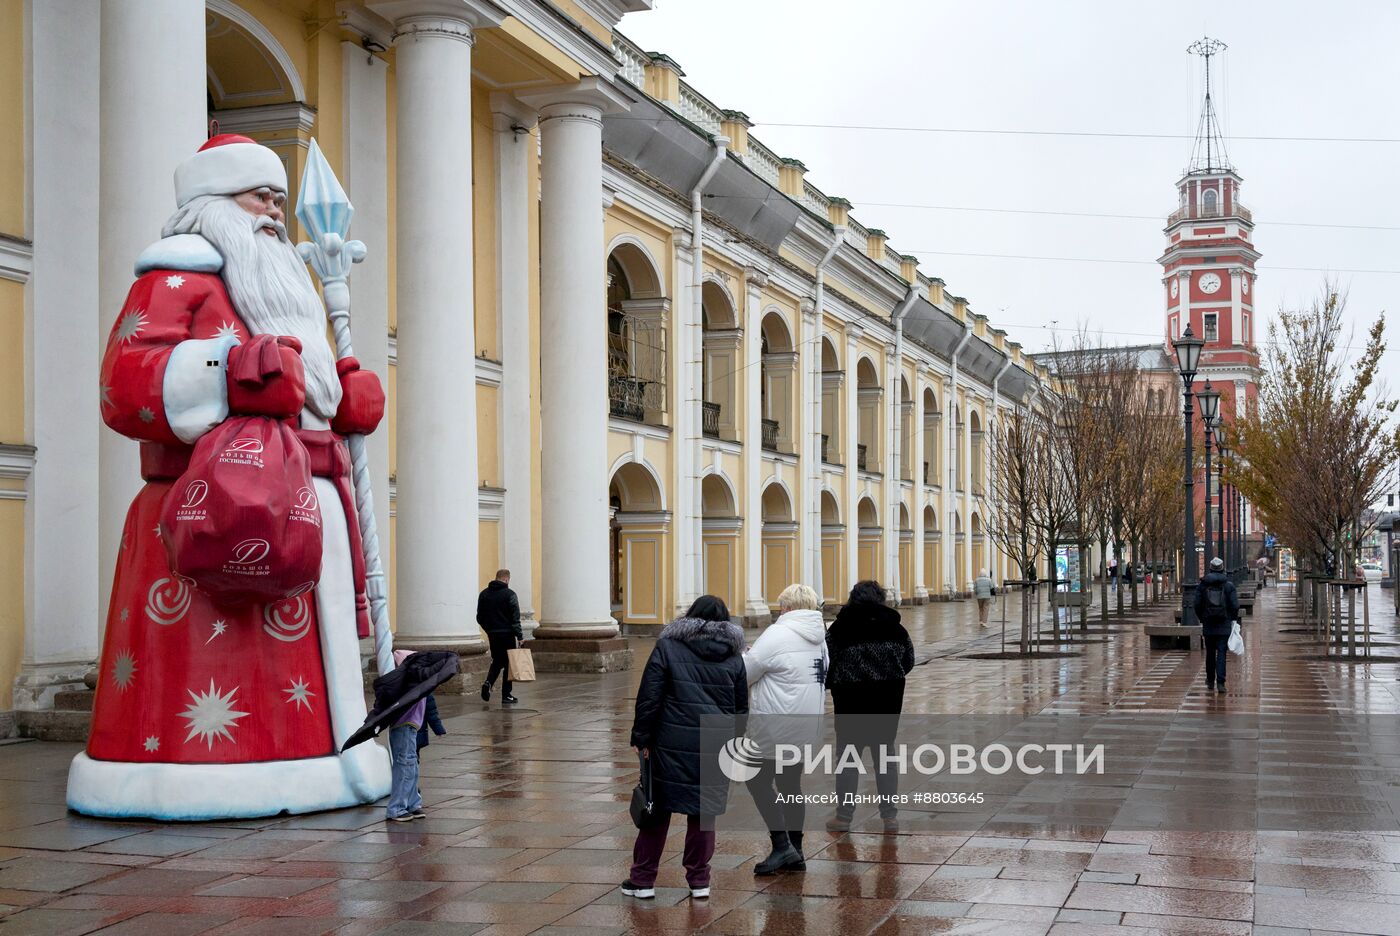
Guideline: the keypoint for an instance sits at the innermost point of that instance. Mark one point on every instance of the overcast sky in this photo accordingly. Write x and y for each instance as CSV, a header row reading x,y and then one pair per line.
x,y
1293,69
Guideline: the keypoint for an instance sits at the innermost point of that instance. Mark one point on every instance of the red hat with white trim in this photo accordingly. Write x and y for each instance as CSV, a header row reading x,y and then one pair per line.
x,y
226,165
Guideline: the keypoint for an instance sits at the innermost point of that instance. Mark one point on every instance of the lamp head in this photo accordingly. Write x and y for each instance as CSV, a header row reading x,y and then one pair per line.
x,y
1210,404
1188,354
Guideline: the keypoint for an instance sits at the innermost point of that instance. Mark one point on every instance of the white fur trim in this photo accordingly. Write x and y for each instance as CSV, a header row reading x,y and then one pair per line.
x,y
196,393
196,792
340,644
228,170
188,252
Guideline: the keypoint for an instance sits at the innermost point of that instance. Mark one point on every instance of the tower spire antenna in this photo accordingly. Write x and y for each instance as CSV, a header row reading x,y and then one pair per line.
x,y
1208,152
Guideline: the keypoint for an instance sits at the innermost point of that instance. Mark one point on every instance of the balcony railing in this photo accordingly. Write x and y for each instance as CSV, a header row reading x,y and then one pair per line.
x,y
709,419
860,457
770,434
1208,212
627,397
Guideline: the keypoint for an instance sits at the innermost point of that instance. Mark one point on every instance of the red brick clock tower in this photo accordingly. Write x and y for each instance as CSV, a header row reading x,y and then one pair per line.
x,y
1208,267
1208,272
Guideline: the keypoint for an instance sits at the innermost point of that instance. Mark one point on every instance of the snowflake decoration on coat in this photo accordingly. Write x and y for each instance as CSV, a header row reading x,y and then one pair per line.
x,y
126,613
106,396
130,325
153,743
146,415
227,330
174,282
299,693
124,670
219,627
211,715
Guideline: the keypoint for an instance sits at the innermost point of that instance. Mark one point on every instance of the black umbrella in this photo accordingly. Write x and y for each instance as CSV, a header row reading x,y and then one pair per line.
x,y
398,690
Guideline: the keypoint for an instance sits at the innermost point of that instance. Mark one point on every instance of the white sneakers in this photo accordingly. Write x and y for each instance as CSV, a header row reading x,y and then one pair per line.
x,y
647,893
699,893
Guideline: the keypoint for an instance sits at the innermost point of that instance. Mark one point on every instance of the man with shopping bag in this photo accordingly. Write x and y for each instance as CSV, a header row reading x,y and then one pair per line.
x,y
1217,608
498,614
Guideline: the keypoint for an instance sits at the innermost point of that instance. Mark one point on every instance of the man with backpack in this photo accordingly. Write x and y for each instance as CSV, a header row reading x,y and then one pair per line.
x,y
1217,608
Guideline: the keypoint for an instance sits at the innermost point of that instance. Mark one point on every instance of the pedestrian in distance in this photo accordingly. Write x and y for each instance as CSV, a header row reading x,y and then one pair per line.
x,y
498,614
786,667
696,669
871,653
983,590
1217,608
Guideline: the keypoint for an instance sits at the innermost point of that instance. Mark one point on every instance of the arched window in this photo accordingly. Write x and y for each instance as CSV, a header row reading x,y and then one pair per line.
x,y
778,384
721,364
1210,203
868,395
636,338
832,380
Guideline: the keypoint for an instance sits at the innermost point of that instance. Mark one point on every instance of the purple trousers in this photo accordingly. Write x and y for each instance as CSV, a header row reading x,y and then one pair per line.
x,y
699,849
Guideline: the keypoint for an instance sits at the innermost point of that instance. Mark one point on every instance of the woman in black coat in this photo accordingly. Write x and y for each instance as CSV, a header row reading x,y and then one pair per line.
x,y
696,669
871,653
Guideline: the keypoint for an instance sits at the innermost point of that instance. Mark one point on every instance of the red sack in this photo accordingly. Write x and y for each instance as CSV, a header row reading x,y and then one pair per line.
x,y
243,521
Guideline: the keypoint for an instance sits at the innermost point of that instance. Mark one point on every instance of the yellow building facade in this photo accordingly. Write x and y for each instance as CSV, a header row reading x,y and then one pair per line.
x,y
632,354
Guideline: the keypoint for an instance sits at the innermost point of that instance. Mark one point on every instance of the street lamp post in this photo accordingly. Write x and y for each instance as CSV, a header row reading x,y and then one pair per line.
x,y
1188,359
1225,556
1210,409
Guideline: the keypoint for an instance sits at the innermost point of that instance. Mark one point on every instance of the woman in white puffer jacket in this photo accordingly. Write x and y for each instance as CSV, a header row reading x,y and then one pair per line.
x,y
787,673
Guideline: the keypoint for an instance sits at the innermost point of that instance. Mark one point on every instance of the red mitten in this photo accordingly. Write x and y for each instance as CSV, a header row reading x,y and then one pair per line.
x,y
266,377
361,399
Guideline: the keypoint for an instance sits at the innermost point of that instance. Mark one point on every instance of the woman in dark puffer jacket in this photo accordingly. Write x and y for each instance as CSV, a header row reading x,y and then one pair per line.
x,y
696,669
871,653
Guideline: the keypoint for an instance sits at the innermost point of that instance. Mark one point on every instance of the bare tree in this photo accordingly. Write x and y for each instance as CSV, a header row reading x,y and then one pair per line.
x,y
1017,448
1317,449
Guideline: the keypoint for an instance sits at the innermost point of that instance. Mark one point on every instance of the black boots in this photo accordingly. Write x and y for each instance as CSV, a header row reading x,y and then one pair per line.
x,y
784,857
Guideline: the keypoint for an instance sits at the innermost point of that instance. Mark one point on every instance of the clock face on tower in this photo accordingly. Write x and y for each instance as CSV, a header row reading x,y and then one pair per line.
x,y
1174,287
1244,284
1209,283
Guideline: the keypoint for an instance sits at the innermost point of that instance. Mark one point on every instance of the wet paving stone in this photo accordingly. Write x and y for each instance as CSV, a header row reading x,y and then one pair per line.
x,y
528,832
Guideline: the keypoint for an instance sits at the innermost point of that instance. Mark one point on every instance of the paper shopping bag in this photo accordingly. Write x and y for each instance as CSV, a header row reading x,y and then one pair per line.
x,y
522,665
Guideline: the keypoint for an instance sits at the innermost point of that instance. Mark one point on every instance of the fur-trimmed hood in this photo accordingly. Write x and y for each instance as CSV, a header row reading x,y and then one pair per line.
x,y
710,640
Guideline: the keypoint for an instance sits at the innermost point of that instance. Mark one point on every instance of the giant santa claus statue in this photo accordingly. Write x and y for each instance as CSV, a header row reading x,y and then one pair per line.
x,y
207,709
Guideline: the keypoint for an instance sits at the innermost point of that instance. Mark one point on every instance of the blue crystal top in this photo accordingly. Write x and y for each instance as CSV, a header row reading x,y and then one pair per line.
x,y
322,205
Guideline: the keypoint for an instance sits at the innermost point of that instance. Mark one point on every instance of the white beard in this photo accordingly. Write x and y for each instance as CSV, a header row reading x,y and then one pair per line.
x,y
269,286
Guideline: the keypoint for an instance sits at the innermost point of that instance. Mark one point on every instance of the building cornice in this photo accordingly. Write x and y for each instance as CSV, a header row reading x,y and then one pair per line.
x,y
16,464
268,118
16,259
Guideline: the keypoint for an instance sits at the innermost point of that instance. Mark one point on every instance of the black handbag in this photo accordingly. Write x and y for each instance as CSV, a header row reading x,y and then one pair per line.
x,y
643,808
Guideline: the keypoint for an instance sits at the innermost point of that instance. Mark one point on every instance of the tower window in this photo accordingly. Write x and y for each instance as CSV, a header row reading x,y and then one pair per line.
x,y
1210,200
1244,328
1210,329
1176,328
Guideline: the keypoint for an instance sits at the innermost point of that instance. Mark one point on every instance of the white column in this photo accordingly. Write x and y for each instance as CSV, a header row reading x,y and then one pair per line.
x,y
1236,307
892,417
436,405
63,605
853,333
969,573
756,604
574,397
366,178
916,432
809,516
515,145
153,115
685,429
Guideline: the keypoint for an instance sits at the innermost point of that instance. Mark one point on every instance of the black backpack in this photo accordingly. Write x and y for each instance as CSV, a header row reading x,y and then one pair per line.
x,y
1215,602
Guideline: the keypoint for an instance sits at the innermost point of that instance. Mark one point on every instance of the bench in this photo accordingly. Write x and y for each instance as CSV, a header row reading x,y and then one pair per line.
x,y
1173,636
1247,605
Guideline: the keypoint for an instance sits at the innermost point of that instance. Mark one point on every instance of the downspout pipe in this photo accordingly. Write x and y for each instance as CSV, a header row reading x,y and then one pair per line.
x,y
896,432
814,443
951,526
691,432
